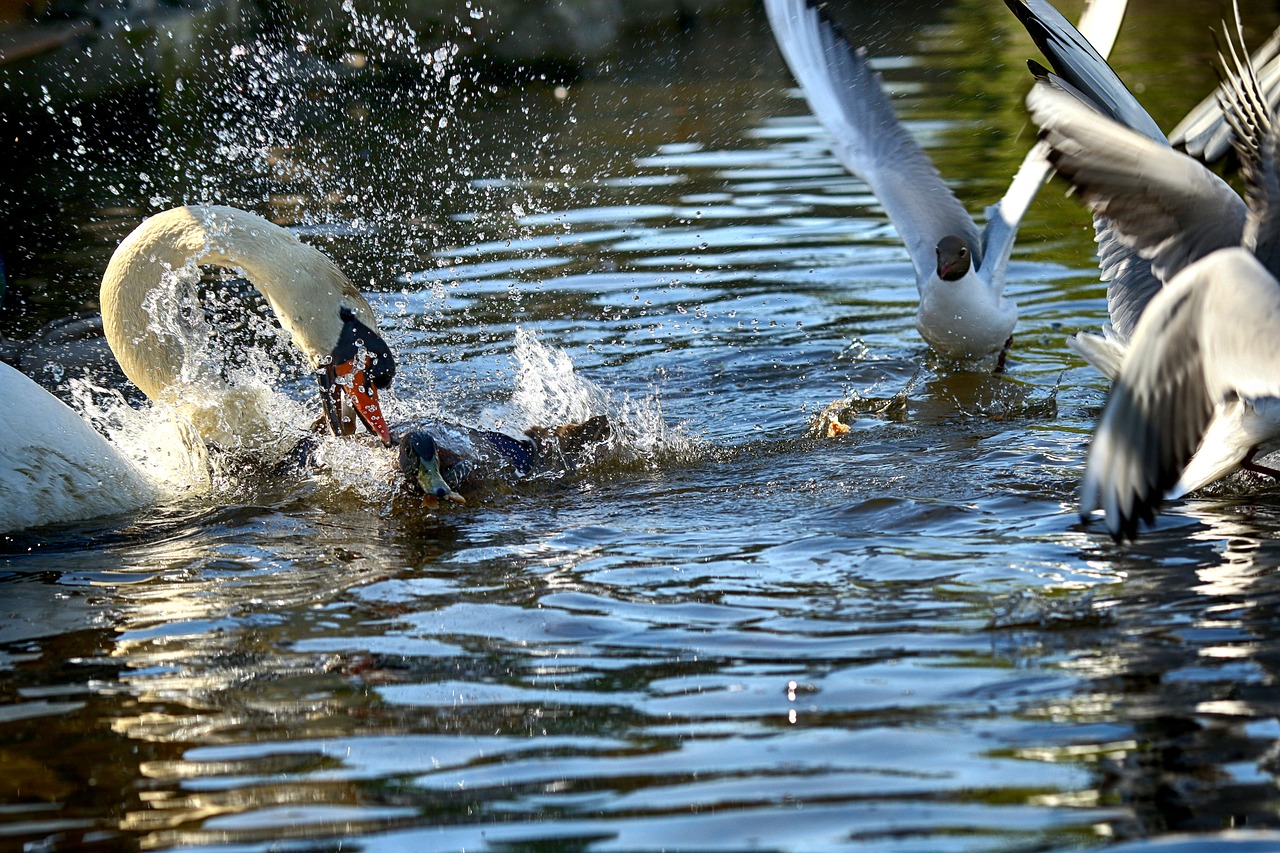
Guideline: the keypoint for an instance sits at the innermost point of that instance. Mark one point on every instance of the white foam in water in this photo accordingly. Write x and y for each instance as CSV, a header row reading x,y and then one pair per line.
x,y
163,445
165,442
359,464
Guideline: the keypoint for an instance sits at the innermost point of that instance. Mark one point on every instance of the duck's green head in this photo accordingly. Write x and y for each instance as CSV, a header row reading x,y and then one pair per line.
x,y
420,464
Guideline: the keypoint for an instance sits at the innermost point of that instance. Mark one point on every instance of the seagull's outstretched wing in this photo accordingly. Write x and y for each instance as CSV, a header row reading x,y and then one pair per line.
x,y
1210,337
1099,26
1161,202
1203,132
1085,73
1076,61
846,96
1253,135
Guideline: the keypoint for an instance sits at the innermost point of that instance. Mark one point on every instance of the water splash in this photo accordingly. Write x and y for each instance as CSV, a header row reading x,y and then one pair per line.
x,y
228,384
236,407
358,465
164,445
267,139
550,392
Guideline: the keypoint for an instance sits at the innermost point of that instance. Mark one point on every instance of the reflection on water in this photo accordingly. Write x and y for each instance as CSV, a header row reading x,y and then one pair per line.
x,y
734,633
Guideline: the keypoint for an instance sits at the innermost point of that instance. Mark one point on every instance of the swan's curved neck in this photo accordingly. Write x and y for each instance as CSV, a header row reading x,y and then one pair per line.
x,y
305,289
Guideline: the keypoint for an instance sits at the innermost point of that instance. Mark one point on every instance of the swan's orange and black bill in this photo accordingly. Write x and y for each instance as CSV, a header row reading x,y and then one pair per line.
x,y
350,394
360,364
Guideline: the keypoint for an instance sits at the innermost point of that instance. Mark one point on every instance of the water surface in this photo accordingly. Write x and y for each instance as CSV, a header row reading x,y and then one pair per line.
x,y
729,632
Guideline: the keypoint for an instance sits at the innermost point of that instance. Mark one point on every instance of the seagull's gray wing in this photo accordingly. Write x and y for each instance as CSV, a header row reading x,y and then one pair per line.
x,y
1086,74
1130,282
1262,190
1253,134
1099,25
1202,132
1076,61
1159,201
847,98
1211,336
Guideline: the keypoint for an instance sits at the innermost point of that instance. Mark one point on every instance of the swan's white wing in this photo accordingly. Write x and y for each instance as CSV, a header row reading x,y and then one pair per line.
x,y
1085,68
846,96
1159,201
1210,337
1203,132
1099,26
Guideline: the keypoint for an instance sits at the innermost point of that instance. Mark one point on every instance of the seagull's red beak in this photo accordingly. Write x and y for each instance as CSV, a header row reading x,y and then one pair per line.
x,y
349,388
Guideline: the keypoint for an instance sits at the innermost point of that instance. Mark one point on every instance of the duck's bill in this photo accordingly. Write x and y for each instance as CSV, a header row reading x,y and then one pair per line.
x,y
433,485
350,396
432,502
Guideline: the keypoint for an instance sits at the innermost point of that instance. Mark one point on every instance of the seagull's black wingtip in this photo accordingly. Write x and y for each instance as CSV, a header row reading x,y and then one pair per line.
x,y
1018,8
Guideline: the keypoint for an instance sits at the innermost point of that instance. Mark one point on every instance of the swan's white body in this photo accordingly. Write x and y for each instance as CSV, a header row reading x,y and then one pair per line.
x,y
54,467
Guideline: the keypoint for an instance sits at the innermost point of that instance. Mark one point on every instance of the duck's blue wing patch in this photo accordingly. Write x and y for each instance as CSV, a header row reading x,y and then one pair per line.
x,y
523,455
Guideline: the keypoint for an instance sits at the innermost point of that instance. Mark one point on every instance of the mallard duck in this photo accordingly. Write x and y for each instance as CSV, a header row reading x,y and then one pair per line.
x,y
444,461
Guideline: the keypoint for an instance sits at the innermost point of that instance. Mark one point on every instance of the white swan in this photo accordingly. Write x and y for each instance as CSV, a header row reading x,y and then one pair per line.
x,y
55,468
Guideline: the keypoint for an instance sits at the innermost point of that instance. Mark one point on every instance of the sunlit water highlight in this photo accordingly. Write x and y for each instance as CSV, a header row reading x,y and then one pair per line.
x,y
727,632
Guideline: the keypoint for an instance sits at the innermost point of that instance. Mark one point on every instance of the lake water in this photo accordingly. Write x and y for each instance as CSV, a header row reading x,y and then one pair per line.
x,y
728,632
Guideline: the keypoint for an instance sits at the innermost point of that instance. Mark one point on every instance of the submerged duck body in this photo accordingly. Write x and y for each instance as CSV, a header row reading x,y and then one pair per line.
x,y
444,461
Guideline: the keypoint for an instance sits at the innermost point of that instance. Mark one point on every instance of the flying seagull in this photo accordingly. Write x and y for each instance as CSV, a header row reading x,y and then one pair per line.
x,y
960,269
